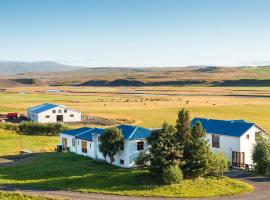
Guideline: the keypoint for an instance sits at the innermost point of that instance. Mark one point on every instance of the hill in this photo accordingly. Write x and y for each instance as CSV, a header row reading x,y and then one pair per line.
x,y
10,67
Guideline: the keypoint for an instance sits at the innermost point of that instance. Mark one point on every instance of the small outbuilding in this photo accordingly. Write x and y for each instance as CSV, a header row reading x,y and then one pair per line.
x,y
52,113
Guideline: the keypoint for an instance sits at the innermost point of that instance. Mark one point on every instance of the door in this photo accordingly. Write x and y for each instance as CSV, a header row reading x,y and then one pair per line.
x,y
59,118
238,159
64,142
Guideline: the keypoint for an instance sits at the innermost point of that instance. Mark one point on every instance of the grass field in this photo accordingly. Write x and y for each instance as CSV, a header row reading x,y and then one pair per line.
x,y
11,141
147,106
72,172
12,196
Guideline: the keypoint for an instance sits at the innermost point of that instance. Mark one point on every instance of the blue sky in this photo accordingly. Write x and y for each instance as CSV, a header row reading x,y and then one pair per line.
x,y
136,33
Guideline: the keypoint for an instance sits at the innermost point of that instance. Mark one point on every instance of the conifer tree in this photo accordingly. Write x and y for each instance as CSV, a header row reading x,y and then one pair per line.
x,y
164,151
183,127
183,135
198,153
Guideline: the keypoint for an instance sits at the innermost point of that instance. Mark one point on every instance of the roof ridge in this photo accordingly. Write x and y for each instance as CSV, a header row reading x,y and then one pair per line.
x,y
133,132
84,132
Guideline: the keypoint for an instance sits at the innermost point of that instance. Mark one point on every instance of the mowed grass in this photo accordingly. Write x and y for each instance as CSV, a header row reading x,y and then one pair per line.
x,y
10,143
17,196
66,171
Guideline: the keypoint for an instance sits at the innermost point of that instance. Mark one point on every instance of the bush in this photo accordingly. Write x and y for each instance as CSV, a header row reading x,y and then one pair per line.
x,y
143,159
261,156
8,127
34,128
217,164
172,174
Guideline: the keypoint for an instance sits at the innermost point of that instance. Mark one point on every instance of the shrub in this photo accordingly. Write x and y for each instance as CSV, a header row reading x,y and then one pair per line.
x,y
143,159
172,174
34,128
217,164
261,156
8,127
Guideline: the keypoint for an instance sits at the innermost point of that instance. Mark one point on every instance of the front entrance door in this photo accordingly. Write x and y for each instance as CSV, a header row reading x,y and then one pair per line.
x,y
238,159
59,118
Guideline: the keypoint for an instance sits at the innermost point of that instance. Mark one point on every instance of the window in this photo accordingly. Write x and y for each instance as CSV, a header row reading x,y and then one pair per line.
x,y
84,146
78,142
99,139
89,145
53,111
113,160
247,136
47,116
59,111
122,145
122,162
71,115
73,142
140,145
215,141
65,111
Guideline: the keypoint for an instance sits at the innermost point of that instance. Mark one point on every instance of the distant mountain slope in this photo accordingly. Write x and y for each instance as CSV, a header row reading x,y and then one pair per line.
x,y
10,67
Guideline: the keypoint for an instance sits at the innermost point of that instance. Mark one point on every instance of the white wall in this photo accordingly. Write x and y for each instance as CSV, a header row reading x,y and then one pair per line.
x,y
247,145
129,154
41,117
227,145
69,141
90,148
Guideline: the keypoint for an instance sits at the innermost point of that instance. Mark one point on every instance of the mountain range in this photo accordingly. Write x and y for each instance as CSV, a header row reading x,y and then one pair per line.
x,y
12,67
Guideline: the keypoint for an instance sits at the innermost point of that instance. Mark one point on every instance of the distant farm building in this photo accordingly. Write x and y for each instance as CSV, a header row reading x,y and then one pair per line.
x,y
51,113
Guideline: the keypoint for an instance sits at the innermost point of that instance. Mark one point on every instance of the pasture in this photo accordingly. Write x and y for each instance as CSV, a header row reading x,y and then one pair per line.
x,y
146,106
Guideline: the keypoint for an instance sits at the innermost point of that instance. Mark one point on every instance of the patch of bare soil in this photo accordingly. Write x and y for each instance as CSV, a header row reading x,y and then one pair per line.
x,y
17,159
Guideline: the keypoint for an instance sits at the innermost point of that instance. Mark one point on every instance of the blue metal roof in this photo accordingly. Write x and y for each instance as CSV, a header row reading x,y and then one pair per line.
x,y
134,132
77,131
42,107
88,134
224,127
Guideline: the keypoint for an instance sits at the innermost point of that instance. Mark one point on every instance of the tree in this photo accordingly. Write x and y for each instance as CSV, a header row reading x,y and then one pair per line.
x,y
183,134
197,152
218,164
261,156
183,127
163,148
110,142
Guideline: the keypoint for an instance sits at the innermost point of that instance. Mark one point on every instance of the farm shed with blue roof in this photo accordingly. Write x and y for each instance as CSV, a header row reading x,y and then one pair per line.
x,y
52,113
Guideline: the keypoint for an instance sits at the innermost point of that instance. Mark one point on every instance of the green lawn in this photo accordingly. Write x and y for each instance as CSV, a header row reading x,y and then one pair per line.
x,y
10,143
72,172
13,196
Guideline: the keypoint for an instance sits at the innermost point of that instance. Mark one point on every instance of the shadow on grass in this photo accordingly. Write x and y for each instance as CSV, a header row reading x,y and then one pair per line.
x,y
68,171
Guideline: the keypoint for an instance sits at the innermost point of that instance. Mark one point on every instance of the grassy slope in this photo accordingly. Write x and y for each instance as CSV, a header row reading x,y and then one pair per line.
x,y
10,143
77,173
12,196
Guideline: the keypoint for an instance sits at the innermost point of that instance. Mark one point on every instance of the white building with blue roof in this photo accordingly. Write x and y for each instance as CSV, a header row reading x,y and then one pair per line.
x,y
85,141
235,138
52,113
